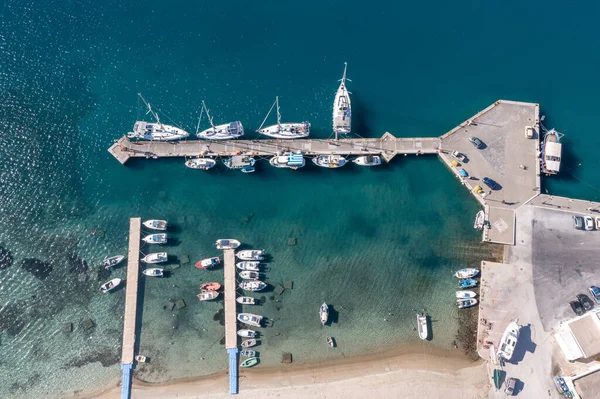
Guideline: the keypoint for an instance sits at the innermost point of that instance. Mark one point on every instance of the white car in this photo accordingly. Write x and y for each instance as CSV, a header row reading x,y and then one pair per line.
x,y
589,223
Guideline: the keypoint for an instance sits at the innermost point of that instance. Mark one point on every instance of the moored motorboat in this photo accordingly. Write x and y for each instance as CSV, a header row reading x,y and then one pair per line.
x,y
289,160
157,257
245,300
252,265
251,254
466,303
207,295
208,262
156,224
467,283
250,319
252,285
200,163
226,131
465,294
248,343
160,238
479,220
153,272
112,261
551,152
141,358
248,169
331,161
155,130
227,243
509,340
466,273
249,275
212,286
110,285
324,313
422,325
246,333
330,342
342,110
248,352
249,362
239,162
284,130
367,160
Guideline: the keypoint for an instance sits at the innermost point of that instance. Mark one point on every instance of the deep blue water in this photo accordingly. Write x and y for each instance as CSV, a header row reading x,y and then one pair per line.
x,y
373,243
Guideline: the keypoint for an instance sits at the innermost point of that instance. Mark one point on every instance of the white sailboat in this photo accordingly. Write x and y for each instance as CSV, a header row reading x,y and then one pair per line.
x,y
509,340
155,130
284,130
342,110
226,131
329,161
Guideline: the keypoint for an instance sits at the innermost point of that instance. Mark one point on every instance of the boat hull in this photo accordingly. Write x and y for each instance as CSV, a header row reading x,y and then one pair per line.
x,y
245,300
156,224
110,285
466,273
158,257
154,272
208,295
465,294
368,160
226,131
250,254
200,163
287,130
253,285
324,313
212,286
248,265
227,243
112,261
249,343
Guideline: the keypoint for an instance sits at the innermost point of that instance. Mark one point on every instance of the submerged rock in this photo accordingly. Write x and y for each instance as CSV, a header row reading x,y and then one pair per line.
x,y
38,268
107,357
68,327
6,258
10,318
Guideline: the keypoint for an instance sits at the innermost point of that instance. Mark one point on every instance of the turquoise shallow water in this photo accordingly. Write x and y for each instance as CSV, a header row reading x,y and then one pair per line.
x,y
373,243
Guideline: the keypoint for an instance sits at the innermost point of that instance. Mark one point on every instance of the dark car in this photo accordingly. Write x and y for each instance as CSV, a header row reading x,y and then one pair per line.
x,y
585,301
476,142
578,222
491,183
577,307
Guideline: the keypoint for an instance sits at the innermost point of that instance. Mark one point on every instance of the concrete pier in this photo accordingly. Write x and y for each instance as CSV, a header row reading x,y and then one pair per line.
x,y
230,288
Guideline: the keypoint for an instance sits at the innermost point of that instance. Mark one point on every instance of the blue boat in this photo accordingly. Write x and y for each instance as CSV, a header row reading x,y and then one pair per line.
x,y
467,283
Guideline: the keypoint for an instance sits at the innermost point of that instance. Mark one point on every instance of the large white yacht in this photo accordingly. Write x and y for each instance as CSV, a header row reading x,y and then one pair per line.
x,y
342,111
284,130
155,130
226,131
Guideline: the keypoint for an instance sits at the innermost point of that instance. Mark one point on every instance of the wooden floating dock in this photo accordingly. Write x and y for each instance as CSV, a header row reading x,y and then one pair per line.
x,y
131,295
387,146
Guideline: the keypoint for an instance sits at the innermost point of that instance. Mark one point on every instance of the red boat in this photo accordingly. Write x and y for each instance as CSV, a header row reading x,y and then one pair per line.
x,y
210,286
208,263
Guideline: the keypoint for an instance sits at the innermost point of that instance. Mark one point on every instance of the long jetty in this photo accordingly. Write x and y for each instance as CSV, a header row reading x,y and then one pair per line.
x,y
131,296
229,287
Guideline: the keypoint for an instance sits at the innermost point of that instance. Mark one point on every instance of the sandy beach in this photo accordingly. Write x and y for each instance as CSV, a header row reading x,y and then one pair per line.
x,y
432,372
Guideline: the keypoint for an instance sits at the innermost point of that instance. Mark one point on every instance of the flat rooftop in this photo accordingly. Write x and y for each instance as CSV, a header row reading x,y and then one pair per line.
x,y
587,333
588,387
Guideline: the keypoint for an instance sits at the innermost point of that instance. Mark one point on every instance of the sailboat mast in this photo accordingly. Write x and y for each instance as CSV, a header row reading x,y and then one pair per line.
x,y
278,113
344,76
199,119
150,109
208,115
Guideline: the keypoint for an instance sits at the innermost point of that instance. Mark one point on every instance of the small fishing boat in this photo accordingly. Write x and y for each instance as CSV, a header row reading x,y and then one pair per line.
x,y
227,243
331,161
324,313
208,262
248,169
207,295
422,325
245,300
252,265
465,294
239,161
212,286
284,130
226,131
368,160
289,160
551,152
246,333
467,283
252,285
157,257
249,343
330,342
156,224
249,275
509,340
153,272
466,273
251,254
466,303
200,163
248,353
249,362
342,110
155,130
110,285
112,261
250,319
160,238
141,358
479,220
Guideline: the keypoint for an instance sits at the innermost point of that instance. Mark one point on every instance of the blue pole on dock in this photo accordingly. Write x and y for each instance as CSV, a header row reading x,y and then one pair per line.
x,y
126,383
233,371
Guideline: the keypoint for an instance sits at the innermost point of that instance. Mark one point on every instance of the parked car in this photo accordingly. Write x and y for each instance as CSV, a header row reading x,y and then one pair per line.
x,y
478,190
577,307
463,173
585,301
476,142
510,386
589,223
458,156
491,183
595,293
578,222
597,222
